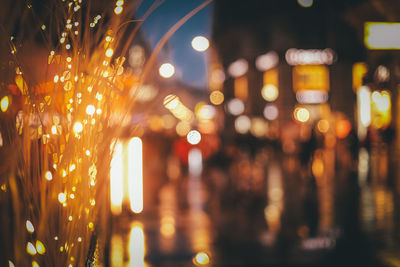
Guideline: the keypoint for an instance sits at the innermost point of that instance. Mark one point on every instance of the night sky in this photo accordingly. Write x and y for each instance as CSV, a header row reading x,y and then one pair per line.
x,y
190,65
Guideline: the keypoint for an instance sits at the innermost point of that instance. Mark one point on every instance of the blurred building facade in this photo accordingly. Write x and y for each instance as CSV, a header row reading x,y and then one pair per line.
x,y
292,48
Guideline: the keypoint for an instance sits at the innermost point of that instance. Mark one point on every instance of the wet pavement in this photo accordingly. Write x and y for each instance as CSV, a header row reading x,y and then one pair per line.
x,y
269,209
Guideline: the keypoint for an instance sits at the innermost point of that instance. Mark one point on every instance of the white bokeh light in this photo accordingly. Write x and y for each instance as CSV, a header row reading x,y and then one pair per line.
x,y
242,124
235,106
200,43
238,68
167,70
271,112
193,137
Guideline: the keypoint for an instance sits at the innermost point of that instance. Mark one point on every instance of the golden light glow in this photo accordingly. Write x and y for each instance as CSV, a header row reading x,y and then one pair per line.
x,y
116,179
177,108
201,259
4,103
381,109
167,226
62,198
30,249
40,248
200,43
182,128
343,128
217,97
35,264
269,92
29,227
11,264
301,114
323,126
167,70
258,127
90,110
318,167
135,174
78,127
359,71
193,137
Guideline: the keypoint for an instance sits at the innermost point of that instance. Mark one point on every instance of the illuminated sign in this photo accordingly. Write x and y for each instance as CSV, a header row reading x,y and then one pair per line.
x,y
311,56
310,77
382,35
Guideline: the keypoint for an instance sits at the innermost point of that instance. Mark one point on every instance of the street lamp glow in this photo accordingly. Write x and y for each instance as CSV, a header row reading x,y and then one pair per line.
x,y
167,70
200,43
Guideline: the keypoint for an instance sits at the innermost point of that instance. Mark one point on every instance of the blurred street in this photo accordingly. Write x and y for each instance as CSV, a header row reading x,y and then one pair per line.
x,y
269,209
200,133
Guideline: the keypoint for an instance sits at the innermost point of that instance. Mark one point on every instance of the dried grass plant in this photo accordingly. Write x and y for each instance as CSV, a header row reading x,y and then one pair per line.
x,y
63,73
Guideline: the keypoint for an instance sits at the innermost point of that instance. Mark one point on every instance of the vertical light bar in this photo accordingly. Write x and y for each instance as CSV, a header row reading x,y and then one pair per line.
x,y
364,110
135,174
195,162
136,246
116,179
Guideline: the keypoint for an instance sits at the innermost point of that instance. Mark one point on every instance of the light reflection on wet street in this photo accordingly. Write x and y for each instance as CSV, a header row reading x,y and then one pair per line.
x,y
267,208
